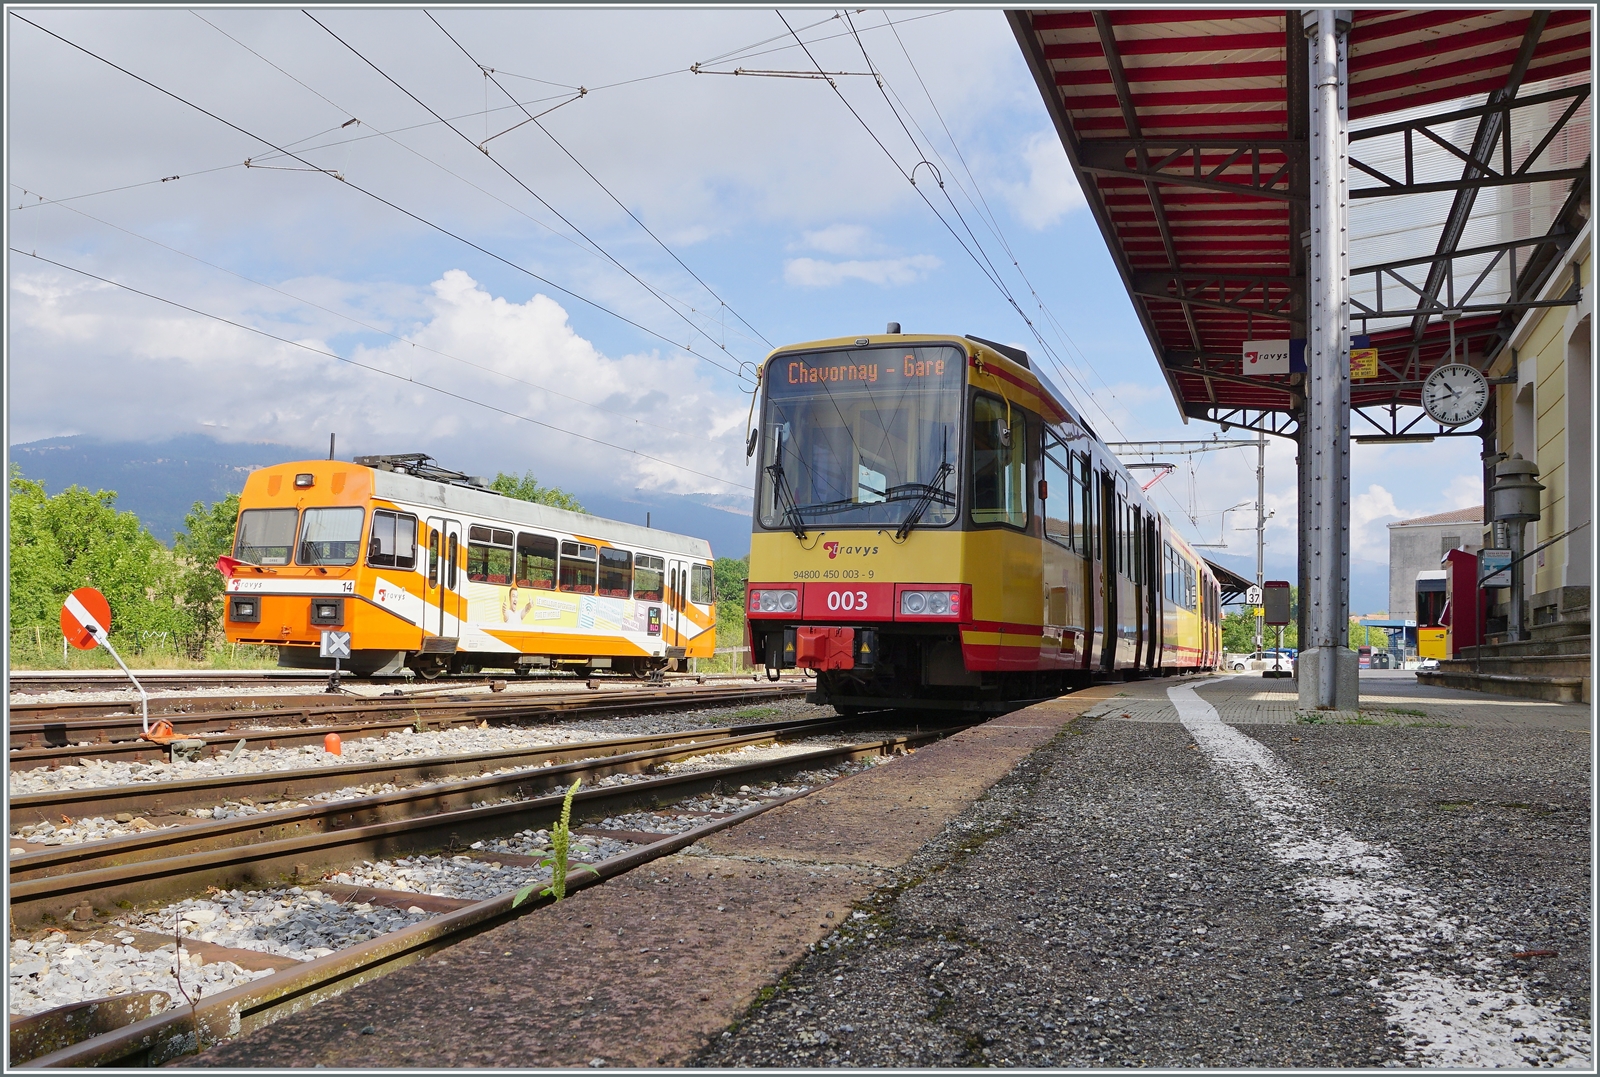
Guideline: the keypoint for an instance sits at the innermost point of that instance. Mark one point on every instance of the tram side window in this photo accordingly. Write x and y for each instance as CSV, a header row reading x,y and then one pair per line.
x,y
488,555
999,464
649,577
393,543
578,567
1188,586
616,572
700,585
330,536
1059,505
536,561
266,536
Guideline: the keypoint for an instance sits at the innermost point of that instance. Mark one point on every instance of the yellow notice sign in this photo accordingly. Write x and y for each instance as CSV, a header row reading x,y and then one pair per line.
x,y
1363,363
1433,643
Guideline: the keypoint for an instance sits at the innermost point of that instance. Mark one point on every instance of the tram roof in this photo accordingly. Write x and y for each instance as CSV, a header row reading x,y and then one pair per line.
x,y
1188,133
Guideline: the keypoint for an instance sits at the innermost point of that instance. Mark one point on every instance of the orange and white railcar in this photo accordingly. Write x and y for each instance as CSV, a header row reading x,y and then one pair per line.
x,y
430,569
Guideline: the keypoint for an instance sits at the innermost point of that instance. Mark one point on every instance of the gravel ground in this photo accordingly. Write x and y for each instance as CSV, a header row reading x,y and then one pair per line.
x,y
1116,902
295,922
55,971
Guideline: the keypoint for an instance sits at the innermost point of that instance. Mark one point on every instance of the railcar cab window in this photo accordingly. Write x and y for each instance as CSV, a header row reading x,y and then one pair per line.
x,y
393,543
266,536
488,555
864,437
999,463
616,572
577,567
536,561
649,577
330,536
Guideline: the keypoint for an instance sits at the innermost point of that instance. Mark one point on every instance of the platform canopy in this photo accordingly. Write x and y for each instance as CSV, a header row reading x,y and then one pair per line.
x,y
1233,585
1469,176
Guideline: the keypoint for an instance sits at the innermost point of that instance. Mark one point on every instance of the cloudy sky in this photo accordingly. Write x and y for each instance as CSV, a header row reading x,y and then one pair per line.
x,y
611,270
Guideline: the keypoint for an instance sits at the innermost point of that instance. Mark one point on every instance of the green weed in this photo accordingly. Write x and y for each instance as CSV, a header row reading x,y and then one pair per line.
x,y
556,858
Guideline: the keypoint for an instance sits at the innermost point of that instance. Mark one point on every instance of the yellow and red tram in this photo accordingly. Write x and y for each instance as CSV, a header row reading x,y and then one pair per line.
x,y
430,569
935,524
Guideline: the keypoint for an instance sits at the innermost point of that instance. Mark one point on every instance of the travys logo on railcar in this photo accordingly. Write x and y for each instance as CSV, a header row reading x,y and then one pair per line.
x,y
835,550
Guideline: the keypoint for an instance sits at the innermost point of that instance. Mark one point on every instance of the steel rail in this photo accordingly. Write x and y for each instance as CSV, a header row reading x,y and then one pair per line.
x,y
308,855
152,799
241,1010
431,715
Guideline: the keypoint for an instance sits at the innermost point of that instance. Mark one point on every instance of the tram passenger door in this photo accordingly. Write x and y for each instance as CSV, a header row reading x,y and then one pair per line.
x,y
1110,632
444,610
677,595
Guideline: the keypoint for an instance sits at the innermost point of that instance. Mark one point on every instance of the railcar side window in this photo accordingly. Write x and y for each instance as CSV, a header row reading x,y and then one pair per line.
x,y
999,463
266,536
577,567
700,585
1059,505
433,558
488,555
649,577
451,562
330,536
616,572
393,543
536,561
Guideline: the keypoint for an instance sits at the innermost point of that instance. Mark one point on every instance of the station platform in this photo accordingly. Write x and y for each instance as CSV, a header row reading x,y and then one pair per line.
x,y
1177,872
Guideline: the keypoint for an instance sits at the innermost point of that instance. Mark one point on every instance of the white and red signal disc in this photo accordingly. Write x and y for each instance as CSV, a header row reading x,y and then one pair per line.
x,y
84,609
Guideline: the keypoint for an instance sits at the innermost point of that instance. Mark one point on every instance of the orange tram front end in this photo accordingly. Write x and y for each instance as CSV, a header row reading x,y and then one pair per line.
x,y
935,525
429,570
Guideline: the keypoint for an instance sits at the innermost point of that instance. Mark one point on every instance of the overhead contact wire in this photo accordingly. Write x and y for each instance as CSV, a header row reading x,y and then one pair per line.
x,y
379,198
489,74
539,198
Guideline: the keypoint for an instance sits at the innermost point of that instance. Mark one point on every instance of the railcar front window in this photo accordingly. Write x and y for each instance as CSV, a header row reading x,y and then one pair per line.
x,y
266,536
863,437
330,536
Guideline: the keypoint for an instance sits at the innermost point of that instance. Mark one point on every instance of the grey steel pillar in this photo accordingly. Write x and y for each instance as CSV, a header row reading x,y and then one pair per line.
x,y
1328,373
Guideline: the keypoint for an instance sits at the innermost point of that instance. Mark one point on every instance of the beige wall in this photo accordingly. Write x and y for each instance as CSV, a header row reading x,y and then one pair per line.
x,y
1546,416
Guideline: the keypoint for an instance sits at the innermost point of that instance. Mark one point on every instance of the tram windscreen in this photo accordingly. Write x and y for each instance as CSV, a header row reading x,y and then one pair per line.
x,y
861,438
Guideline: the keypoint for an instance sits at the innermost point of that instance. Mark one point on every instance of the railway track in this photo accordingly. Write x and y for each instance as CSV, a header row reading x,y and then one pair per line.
x,y
36,742
188,859
39,681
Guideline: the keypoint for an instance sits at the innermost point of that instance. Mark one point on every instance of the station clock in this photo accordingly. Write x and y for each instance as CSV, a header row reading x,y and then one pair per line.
x,y
1455,394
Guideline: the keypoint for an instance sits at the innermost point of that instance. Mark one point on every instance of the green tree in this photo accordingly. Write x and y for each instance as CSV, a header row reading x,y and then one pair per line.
x,y
731,574
207,535
77,539
527,488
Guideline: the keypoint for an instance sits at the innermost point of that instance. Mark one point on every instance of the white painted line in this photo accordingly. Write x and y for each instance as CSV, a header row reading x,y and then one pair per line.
x,y
1444,1020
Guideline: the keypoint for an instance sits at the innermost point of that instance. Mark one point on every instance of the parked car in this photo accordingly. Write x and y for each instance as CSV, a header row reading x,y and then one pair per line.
x,y
1428,663
1259,659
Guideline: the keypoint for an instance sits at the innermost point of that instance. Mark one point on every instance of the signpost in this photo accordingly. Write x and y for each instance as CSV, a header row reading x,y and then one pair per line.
x,y
1494,568
335,645
86,623
1275,611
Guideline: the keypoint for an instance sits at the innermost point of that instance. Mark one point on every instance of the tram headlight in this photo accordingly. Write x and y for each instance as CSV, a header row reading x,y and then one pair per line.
x,y
930,603
764,601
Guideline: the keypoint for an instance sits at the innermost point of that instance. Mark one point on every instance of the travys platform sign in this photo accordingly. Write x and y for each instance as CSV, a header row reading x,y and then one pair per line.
x,y
1266,357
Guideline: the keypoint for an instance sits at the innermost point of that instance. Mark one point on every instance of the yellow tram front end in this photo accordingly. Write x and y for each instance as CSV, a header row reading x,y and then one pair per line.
x,y
896,544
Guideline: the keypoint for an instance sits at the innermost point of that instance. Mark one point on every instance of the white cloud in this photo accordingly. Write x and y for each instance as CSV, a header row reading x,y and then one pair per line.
x,y
814,273
1050,191
840,239
523,358
1369,512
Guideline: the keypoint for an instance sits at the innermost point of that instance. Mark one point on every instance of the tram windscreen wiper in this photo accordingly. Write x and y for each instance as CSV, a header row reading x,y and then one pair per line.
x,y
930,492
785,496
